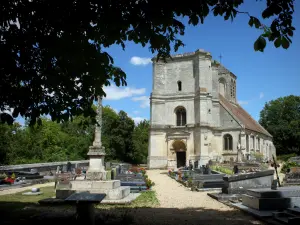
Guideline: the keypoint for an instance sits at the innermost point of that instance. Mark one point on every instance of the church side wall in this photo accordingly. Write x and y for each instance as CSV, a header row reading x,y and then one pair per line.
x,y
226,120
228,155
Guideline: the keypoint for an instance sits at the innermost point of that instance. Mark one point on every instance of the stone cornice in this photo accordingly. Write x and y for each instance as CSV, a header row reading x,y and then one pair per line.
x,y
184,56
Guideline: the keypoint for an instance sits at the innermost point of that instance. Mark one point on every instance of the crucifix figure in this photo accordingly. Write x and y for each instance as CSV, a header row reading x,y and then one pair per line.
x,y
97,140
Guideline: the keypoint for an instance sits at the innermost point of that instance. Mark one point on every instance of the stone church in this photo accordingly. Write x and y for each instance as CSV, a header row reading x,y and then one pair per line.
x,y
195,115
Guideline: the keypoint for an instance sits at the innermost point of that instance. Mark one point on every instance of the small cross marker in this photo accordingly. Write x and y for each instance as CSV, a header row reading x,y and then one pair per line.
x,y
220,56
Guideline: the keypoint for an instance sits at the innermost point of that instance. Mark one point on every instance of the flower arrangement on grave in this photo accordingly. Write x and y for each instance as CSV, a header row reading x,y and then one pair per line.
x,y
9,180
3,176
189,182
149,183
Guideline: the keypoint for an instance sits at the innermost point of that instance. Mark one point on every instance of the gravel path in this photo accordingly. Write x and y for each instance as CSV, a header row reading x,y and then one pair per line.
x,y
182,206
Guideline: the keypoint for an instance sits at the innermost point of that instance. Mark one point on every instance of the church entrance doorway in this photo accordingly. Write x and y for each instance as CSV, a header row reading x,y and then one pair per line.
x,y
180,149
181,159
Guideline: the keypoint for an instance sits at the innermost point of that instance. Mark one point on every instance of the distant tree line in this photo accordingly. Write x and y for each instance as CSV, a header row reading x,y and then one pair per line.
x,y
51,141
281,117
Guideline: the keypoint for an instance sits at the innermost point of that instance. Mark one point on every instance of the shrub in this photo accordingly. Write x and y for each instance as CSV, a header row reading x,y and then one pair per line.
x,y
285,157
222,170
288,165
190,182
149,183
259,157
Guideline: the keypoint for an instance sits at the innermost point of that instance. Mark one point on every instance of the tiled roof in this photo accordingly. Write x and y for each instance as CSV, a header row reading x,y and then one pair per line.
x,y
243,117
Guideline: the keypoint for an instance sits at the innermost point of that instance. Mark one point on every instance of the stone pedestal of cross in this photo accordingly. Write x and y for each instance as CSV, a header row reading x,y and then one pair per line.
x,y
96,170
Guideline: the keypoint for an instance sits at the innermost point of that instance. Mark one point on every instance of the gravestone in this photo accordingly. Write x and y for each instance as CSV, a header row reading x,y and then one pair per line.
x,y
69,167
57,169
196,164
108,166
64,168
63,180
33,171
293,177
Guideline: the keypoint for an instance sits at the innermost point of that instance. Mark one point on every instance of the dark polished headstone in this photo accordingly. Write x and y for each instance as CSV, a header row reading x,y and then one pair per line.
x,y
85,197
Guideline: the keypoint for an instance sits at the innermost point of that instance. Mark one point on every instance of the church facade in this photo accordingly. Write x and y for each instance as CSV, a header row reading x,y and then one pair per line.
x,y
195,115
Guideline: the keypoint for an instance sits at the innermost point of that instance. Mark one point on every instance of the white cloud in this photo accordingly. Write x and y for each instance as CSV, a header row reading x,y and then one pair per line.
x,y
243,102
136,112
137,61
261,95
145,102
137,119
115,93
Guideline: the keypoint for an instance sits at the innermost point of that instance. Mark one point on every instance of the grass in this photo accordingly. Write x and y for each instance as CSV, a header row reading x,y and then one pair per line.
x,y
222,170
48,192
147,199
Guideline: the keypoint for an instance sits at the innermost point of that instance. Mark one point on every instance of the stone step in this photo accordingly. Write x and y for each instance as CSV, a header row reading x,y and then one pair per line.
x,y
90,185
294,211
269,203
286,218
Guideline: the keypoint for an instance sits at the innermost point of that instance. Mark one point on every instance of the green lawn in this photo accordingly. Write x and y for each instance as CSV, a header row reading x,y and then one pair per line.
x,y
145,200
48,192
17,207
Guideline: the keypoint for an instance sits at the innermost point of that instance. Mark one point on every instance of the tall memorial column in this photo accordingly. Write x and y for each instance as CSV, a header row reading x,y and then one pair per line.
x,y
96,170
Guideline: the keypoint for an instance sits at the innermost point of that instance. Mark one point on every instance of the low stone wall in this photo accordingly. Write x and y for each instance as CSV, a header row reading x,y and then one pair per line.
x,y
42,167
47,167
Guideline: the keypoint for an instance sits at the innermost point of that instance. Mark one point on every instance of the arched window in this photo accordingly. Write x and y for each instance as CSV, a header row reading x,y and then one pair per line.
x,y
227,142
232,89
222,87
179,84
180,117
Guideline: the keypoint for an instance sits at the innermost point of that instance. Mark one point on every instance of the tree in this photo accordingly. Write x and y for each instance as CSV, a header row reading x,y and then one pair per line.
x,y
140,142
281,117
54,60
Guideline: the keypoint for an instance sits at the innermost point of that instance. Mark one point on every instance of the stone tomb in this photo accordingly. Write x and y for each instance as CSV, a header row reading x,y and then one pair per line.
x,y
268,199
239,183
281,205
293,177
213,180
112,189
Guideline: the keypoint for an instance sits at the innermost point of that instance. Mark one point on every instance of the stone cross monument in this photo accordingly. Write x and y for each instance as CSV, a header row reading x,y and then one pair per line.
x,y
96,152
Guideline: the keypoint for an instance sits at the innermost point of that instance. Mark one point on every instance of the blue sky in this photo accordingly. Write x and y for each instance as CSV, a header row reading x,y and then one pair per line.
x,y
261,77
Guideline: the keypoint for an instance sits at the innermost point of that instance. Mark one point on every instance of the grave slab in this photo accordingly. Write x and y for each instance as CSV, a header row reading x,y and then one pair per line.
x,y
85,209
52,201
127,200
32,193
270,203
224,197
281,192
